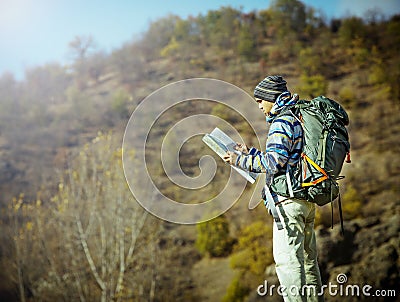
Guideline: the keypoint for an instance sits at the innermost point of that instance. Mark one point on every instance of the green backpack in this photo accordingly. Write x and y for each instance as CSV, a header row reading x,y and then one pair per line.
x,y
325,147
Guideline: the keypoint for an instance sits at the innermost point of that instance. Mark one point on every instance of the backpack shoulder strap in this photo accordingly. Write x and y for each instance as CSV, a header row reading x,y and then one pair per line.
x,y
296,115
293,110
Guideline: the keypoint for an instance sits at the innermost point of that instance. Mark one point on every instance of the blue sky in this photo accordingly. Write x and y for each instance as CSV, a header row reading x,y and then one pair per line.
x,y
36,32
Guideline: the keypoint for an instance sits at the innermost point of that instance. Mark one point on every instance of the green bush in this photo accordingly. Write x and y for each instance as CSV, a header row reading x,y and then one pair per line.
x,y
246,45
352,28
213,237
351,203
312,86
119,104
252,252
377,74
225,113
309,61
347,96
323,216
236,291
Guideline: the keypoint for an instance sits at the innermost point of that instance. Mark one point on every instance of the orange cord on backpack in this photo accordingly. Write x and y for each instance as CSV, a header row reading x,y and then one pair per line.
x,y
348,159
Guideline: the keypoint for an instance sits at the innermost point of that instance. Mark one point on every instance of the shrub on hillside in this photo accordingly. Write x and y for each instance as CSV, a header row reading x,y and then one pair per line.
x,y
213,237
236,291
351,203
253,253
312,86
347,96
252,250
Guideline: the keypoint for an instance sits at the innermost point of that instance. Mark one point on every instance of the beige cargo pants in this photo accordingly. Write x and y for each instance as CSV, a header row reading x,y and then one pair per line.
x,y
295,252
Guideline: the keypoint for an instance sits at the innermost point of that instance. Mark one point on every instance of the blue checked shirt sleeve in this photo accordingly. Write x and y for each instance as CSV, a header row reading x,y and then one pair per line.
x,y
283,146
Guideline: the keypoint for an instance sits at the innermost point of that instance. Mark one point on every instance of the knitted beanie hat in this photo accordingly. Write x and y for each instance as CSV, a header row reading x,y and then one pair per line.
x,y
270,88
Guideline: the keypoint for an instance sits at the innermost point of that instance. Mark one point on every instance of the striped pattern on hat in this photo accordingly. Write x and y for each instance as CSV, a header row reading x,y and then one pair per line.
x,y
270,88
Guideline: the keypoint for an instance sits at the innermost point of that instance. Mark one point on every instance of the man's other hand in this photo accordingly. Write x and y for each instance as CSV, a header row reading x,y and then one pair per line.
x,y
230,157
242,148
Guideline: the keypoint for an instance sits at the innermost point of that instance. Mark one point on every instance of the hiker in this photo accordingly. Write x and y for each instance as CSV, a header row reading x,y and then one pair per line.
x,y
294,242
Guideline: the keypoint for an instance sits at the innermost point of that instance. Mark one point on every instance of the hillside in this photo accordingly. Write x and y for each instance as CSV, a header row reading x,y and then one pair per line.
x,y
72,230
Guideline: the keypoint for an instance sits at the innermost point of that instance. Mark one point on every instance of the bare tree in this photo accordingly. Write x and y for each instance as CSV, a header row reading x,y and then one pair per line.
x,y
79,50
91,240
81,46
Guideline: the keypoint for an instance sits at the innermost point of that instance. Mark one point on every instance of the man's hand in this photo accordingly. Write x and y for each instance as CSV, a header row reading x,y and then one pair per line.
x,y
230,157
242,148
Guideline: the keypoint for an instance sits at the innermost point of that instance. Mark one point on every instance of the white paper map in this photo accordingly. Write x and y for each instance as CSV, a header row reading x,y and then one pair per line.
x,y
220,142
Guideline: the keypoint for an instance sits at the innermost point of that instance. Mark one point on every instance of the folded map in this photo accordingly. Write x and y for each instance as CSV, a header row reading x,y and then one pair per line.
x,y
220,143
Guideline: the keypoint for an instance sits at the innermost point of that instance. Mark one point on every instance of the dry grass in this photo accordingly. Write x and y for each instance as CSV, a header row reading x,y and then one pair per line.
x,y
212,277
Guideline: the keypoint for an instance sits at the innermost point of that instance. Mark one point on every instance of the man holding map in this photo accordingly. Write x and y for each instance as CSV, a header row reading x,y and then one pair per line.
x,y
294,243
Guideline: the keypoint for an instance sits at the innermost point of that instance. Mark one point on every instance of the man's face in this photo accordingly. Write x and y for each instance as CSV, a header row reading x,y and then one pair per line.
x,y
264,106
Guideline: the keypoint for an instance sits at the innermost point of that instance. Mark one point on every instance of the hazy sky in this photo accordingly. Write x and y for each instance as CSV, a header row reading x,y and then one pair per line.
x,y
36,32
